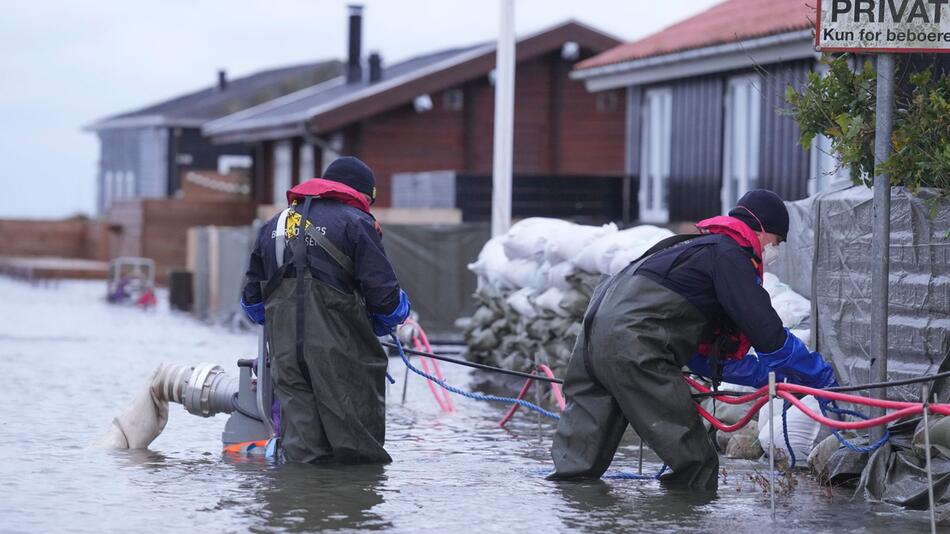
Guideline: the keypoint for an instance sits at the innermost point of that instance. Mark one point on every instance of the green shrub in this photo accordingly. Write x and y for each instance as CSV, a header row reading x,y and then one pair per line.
x,y
841,105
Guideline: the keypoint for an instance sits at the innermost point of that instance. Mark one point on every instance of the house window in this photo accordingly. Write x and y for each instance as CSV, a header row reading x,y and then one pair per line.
x,y
453,100
305,172
282,171
741,146
655,139
235,164
107,189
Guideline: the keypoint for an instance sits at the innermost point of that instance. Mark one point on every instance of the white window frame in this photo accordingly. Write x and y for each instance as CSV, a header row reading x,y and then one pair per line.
x,y
656,136
129,184
305,168
825,168
107,193
744,120
283,174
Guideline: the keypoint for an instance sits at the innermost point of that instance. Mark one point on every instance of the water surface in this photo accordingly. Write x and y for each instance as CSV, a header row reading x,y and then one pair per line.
x,y
71,363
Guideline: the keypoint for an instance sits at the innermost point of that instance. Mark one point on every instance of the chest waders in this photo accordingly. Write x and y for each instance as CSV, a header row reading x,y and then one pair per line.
x,y
626,369
327,365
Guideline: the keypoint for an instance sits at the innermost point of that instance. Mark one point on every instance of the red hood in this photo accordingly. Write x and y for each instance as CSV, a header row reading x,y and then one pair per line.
x,y
318,187
734,228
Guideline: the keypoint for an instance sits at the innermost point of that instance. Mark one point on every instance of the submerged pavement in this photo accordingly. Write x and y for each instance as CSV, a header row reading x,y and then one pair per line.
x,y
72,362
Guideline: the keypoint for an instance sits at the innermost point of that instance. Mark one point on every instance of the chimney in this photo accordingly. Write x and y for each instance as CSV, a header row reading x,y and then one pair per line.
x,y
375,67
354,69
222,80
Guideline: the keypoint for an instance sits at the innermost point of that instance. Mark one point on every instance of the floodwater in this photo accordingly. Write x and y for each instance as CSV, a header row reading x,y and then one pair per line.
x,y
72,362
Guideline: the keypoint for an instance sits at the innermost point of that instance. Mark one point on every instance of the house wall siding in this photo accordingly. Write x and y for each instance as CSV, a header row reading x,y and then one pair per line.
x,y
784,167
558,130
140,151
696,148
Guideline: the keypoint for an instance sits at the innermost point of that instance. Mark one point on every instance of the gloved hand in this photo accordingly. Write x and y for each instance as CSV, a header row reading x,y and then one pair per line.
x,y
255,312
383,324
749,371
409,329
795,363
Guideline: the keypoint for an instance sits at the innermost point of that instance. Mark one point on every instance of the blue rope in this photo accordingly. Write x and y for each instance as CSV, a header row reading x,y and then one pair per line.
x,y
831,406
632,476
469,394
788,444
510,400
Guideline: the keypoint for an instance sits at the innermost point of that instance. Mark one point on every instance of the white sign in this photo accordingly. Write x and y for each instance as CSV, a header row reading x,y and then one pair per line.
x,y
883,25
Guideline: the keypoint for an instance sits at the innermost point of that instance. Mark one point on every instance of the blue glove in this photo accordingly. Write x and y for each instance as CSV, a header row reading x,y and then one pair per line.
x,y
254,311
383,324
749,371
794,362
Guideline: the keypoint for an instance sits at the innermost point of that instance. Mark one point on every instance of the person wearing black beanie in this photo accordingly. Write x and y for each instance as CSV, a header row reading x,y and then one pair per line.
x,y
319,281
351,171
693,301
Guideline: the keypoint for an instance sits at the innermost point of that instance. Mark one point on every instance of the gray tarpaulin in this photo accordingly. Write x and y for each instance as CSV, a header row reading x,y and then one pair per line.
x,y
794,265
919,300
431,263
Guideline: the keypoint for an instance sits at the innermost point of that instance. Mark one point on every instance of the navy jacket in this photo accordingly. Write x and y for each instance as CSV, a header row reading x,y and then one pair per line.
x,y
716,275
351,230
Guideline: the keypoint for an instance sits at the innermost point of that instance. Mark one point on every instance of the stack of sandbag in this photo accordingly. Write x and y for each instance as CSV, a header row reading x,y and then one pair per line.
x,y
535,283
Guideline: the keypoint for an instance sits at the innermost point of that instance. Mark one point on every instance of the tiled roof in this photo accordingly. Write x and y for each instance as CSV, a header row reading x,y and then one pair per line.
x,y
730,21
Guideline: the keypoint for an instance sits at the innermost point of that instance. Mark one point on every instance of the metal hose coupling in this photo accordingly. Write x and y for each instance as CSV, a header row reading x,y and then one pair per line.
x,y
204,389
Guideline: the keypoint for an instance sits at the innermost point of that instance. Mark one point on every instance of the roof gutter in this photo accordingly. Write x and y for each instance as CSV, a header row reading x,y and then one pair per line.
x,y
143,121
729,56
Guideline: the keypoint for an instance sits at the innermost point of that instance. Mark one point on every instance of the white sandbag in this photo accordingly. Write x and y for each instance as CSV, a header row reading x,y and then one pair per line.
x,y
570,241
624,257
802,430
520,302
491,261
527,239
521,273
773,285
792,308
598,256
803,334
550,300
557,275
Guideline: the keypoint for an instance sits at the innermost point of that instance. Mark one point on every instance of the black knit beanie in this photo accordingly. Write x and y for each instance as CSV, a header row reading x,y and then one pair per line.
x,y
768,212
354,173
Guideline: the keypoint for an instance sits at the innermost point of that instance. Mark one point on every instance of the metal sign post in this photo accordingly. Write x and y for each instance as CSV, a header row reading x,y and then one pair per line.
x,y
881,233
504,121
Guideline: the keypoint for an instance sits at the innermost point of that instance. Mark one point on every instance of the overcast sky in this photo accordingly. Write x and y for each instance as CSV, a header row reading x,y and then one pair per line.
x,y
66,63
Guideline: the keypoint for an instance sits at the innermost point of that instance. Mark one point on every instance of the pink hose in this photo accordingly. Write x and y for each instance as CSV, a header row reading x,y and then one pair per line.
x,y
738,424
514,407
420,341
555,388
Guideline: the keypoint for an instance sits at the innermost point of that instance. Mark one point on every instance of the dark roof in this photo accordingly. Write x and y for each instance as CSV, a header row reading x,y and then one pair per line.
x,y
727,22
334,103
194,109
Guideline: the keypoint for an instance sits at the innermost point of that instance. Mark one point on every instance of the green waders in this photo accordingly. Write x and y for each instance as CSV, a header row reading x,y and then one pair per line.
x,y
328,368
626,368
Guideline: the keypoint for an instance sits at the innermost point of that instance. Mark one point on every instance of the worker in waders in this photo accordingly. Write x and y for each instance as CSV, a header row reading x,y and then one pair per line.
x,y
691,301
320,283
